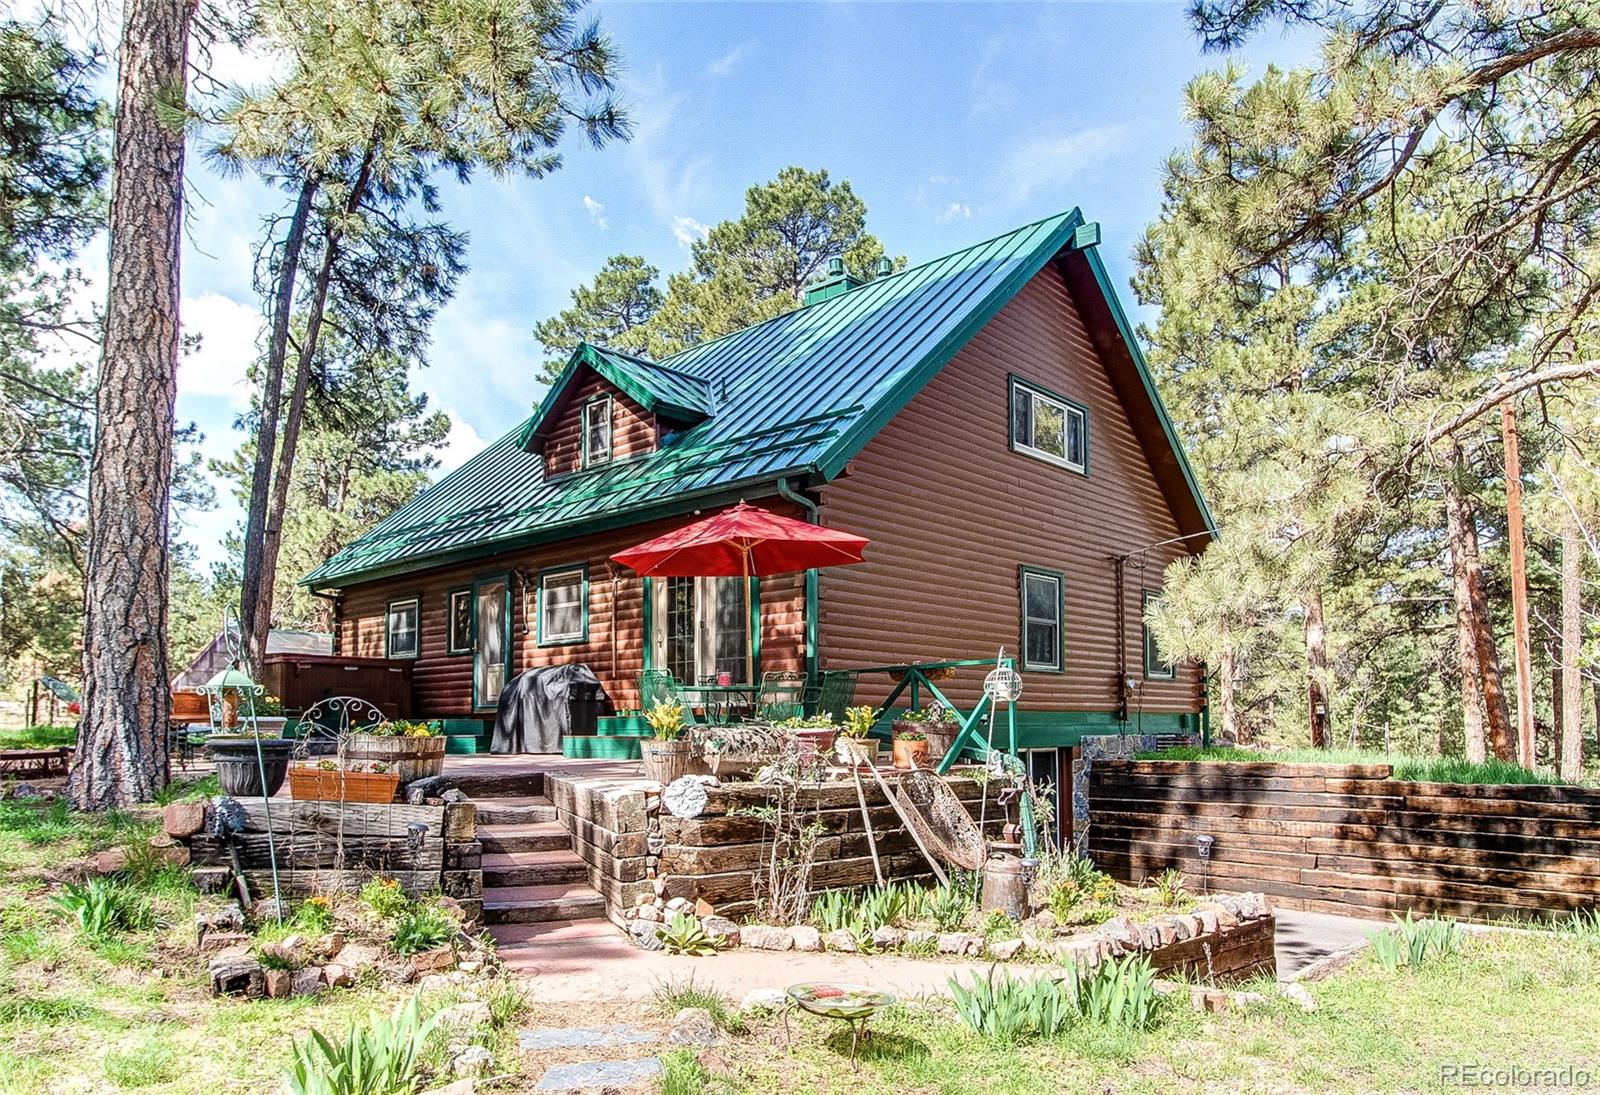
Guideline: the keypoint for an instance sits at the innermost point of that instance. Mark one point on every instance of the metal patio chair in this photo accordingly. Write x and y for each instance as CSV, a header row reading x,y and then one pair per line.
x,y
782,695
833,693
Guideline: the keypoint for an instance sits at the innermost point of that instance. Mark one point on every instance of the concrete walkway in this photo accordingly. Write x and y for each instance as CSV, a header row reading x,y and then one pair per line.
x,y
1307,937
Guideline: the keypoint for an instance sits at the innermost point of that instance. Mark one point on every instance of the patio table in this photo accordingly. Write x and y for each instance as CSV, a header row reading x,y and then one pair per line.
x,y
719,700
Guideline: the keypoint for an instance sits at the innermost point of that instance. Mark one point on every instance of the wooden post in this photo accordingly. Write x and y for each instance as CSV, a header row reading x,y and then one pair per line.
x,y
1519,584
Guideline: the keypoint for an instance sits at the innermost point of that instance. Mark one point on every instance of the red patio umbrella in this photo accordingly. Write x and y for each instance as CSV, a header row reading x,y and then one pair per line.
x,y
744,541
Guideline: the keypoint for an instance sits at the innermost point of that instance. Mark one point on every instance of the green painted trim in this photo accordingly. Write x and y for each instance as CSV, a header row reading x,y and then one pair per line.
x,y
1013,382
1152,671
477,701
752,598
538,604
914,380
1087,235
813,586
1023,572
624,381
1125,329
1057,729
649,623
449,620
415,600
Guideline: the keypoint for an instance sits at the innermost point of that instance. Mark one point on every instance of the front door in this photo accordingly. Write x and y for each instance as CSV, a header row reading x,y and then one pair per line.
x,y
491,651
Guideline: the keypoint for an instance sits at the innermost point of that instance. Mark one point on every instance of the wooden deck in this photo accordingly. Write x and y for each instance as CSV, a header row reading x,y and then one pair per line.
x,y
487,775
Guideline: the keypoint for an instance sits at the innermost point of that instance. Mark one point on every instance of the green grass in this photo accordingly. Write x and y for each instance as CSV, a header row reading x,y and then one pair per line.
x,y
38,737
1418,768
673,996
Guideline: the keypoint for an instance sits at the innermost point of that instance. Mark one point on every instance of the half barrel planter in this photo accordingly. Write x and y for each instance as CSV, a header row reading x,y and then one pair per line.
x,y
408,758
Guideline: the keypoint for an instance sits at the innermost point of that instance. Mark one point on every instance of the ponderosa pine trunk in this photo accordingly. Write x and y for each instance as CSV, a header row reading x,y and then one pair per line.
x,y
1318,707
254,638
1482,689
1227,695
1571,698
122,745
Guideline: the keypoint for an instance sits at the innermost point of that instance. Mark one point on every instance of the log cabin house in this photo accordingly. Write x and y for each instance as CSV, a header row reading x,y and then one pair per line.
x,y
986,418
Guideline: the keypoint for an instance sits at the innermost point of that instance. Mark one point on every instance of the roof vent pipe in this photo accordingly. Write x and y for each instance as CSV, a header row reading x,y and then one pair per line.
x,y
885,266
838,282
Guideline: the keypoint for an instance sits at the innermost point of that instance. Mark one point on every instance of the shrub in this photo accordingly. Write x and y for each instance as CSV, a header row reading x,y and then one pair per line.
x,y
422,928
378,1057
1117,992
101,908
385,897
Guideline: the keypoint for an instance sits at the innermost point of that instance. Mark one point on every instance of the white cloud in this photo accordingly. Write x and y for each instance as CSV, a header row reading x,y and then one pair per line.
x,y
655,157
1051,161
724,65
228,332
597,212
688,230
955,211
461,444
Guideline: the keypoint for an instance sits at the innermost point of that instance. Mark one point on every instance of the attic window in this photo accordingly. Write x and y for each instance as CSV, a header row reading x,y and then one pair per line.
x,y
1048,427
597,431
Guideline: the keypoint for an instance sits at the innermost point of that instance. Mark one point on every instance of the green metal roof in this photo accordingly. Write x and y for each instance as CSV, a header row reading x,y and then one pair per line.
x,y
795,396
660,390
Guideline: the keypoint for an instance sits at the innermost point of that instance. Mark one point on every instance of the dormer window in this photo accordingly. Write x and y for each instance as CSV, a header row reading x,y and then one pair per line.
x,y
597,431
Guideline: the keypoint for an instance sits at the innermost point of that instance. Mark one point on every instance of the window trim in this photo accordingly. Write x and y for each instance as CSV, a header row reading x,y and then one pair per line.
x,y
450,620
1024,572
1154,669
415,601
582,636
1069,406
583,431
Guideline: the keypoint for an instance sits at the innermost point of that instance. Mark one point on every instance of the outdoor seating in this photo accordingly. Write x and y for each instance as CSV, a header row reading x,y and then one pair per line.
x,y
782,695
834,690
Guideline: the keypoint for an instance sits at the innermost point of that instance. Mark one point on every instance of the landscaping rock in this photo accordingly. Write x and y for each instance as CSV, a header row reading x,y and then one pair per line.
x,y
722,930
1297,992
646,934
237,976
468,1013
1208,920
704,908
280,983
290,950
464,1086
1005,949
220,918
1204,999
212,942
765,937
958,943
764,1000
693,1027
26,792
358,956
918,940
307,982
337,976
601,1075
1083,950
840,940
680,905
716,1066
1196,926
1119,929
887,938
269,909
435,982
439,958
211,880
1246,999
617,1034
1168,929
109,861
1226,918
805,938
183,818
649,914
645,899
474,1061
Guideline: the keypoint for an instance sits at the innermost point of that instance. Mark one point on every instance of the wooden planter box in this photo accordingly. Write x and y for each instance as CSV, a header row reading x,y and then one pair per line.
x,y
321,785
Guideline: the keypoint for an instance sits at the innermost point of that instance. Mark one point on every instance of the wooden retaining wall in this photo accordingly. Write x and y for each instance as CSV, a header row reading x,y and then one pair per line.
x,y
1349,838
325,847
633,847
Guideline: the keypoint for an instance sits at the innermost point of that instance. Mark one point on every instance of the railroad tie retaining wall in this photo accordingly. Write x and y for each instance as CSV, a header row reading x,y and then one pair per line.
x,y
1350,838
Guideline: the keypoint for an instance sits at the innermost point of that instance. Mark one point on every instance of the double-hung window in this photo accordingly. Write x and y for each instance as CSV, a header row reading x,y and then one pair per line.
x,y
597,431
1156,665
1048,427
564,605
1041,619
400,629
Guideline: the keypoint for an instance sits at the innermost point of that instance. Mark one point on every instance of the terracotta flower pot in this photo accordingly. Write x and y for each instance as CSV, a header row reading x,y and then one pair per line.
x,y
910,754
815,741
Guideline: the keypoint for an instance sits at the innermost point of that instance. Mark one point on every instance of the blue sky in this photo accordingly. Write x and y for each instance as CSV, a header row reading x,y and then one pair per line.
x,y
955,122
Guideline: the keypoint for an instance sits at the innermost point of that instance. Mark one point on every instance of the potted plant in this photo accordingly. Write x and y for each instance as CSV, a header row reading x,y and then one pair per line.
x,y
739,747
940,730
352,781
813,735
856,746
910,746
411,750
666,754
251,759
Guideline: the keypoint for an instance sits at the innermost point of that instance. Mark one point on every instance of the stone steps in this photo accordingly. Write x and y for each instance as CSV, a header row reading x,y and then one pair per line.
x,y
521,810
538,904
539,868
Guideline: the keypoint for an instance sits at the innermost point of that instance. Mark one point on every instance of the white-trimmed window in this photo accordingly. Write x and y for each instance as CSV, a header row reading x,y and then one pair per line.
x,y
1048,427
1156,665
400,629
1041,619
563,605
597,431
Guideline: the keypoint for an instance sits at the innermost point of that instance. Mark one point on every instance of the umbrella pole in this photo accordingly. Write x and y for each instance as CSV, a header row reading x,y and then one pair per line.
x,y
751,612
